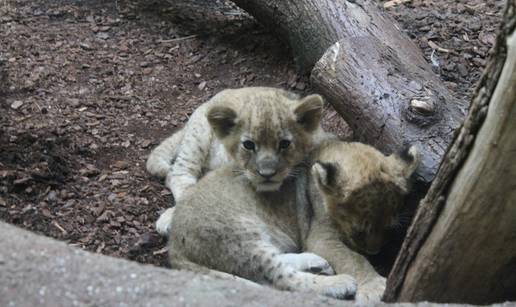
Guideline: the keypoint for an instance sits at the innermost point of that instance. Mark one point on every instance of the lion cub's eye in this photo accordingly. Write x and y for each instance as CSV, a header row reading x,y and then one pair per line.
x,y
284,144
249,145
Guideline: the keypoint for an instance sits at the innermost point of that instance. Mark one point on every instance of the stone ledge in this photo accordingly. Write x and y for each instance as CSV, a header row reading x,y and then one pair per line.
x,y
39,271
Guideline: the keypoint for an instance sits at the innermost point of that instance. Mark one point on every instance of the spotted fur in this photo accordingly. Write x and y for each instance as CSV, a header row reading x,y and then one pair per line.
x,y
237,220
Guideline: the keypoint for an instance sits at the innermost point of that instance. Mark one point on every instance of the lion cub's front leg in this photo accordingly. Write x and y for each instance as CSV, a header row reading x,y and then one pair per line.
x,y
324,241
288,272
253,257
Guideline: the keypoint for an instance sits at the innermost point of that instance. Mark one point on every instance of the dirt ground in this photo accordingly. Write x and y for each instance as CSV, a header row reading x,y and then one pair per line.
x,y
88,88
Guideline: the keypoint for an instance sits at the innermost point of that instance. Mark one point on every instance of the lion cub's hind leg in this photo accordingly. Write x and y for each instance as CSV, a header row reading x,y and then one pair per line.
x,y
162,157
248,253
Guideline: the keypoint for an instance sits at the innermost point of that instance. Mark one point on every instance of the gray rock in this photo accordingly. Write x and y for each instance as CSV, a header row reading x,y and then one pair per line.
x,y
39,271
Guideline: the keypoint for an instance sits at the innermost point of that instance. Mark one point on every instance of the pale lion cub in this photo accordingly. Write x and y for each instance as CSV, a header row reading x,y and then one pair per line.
x,y
356,194
194,150
242,218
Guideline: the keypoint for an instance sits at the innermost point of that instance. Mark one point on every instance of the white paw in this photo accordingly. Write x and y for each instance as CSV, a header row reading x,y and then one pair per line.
x,y
164,222
371,291
308,262
342,286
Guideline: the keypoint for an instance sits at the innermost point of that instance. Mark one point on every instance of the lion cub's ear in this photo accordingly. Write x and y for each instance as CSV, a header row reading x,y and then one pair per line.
x,y
309,111
222,120
325,175
410,157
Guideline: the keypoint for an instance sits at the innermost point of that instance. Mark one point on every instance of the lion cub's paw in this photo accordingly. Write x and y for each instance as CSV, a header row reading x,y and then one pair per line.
x,y
342,286
164,222
308,262
371,291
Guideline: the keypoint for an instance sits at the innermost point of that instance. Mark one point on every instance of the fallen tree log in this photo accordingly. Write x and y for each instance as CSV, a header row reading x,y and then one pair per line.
x,y
372,74
461,246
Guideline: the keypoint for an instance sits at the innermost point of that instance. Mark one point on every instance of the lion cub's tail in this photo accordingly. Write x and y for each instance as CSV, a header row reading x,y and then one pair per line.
x,y
162,157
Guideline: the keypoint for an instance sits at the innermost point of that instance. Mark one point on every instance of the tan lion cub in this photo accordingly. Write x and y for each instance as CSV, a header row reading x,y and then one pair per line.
x,y
194,150
242,218
356,194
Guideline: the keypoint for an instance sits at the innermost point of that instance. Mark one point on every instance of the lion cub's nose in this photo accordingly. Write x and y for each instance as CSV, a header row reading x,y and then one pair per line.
x,y
267,173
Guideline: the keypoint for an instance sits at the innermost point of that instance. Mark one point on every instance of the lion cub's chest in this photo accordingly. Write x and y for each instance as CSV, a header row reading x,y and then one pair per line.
x,y
279,211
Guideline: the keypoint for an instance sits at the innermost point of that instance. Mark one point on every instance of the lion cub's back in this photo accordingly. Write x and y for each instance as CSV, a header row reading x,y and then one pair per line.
x,y
213,219
222,212
219,189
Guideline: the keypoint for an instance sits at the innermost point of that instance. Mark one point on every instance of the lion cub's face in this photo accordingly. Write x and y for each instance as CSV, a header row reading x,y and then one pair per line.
x,y
363,190
269,135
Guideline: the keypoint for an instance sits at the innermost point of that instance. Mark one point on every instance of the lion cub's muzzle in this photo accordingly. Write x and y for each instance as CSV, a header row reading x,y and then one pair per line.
x,y
267,173
270,174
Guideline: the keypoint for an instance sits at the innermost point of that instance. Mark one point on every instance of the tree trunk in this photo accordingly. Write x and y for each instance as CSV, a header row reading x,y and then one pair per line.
x,y
461,246
373,75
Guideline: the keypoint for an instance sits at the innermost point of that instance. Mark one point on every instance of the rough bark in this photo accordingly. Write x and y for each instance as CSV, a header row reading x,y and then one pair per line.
x,y
461,246
373,75
4,85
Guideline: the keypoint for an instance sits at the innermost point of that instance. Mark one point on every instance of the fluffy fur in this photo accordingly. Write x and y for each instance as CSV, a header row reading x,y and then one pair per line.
x,y
236,223
242,218
356,194
194,150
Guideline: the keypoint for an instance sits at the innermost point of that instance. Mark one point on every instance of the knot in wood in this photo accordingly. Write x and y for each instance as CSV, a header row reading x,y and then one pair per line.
x,y
422,107
422,111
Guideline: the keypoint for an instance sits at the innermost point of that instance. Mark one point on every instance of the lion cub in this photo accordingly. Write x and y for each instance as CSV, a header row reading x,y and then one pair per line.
x,y
242,218
356,194
194,150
